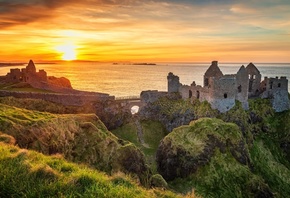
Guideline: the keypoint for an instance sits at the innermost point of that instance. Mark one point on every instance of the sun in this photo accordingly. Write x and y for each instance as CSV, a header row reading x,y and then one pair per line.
x,y
68,51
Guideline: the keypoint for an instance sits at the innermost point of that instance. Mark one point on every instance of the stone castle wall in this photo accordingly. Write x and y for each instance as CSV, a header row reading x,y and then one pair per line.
x,y
65,99
151,96
222,91
277,90
242,85
173,83
194,92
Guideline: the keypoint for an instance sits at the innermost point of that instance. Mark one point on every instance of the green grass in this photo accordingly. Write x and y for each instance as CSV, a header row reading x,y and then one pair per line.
x,y
222,177
170,107
23,87
275,173
153,133
79,138
128,132
193,137
26,173
44,106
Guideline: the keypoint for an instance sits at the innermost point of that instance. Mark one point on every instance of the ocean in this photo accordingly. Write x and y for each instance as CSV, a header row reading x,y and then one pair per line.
x,y
122,80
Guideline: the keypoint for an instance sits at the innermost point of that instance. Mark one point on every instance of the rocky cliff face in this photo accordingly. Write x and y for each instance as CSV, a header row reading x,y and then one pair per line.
x,y
213,158
189,147
168,113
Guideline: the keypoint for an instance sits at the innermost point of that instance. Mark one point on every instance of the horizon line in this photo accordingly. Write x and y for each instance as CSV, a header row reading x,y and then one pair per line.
x,y
124,62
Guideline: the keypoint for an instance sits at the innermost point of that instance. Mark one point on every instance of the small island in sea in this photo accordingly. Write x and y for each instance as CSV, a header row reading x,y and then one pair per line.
x,y
134,63
222,138
144,63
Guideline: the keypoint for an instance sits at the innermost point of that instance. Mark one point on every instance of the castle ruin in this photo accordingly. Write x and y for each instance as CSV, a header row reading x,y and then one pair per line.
x,y
59,89
222,91
27,74
40,79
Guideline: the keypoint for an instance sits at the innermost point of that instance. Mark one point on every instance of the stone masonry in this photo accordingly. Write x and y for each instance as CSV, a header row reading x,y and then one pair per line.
x,y
222,91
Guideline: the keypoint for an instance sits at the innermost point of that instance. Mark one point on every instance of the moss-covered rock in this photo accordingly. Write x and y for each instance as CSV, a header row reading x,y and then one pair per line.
x,y
187,148
171,113
210,156
158,181
129,159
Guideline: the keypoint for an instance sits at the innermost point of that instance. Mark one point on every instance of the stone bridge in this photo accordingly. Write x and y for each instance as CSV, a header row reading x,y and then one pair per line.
x,y
128,102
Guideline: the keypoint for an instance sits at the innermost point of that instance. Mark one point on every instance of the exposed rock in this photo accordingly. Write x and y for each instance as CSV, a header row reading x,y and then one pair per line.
x,y
112,114
171,113
61,82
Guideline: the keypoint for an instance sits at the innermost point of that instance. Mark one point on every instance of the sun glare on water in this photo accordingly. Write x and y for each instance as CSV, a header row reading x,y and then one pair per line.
x,y
68,51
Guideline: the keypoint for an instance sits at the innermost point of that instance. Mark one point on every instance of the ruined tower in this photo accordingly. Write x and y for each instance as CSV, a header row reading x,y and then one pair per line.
x,y
31,67
212,71
221,88
173,83
254,80
277,90
242,85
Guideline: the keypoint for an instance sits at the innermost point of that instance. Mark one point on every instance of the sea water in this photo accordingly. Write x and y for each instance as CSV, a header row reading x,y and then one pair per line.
x,y
129,80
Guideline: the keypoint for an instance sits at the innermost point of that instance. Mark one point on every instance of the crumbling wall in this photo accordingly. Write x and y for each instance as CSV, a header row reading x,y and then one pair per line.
x,y
173,83
277,90
254,77
222,93
151,96
65,99
242,84
194,92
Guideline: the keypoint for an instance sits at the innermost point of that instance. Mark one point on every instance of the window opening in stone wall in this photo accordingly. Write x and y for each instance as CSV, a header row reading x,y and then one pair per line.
x,y
271,85
279,84
206,82
250,85
225,95
254,76
240,88
190,94
197,94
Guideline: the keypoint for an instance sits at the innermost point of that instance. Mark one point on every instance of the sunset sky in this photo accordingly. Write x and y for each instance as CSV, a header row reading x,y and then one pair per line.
x,y
151,30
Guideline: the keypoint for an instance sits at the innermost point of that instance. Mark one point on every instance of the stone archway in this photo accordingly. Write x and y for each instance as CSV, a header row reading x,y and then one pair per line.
x,y
134,109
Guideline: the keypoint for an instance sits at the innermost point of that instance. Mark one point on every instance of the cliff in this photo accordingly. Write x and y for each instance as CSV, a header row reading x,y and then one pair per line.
x,y
240,153
81,138
234,154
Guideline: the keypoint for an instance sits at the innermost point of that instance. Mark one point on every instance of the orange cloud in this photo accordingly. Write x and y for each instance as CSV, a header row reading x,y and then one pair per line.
x,y
145,30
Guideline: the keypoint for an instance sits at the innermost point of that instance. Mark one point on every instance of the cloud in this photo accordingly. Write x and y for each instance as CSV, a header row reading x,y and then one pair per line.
x,y
13,12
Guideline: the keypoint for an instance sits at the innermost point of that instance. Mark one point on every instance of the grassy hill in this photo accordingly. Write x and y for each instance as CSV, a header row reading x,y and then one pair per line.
x,y
80,138
25,173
